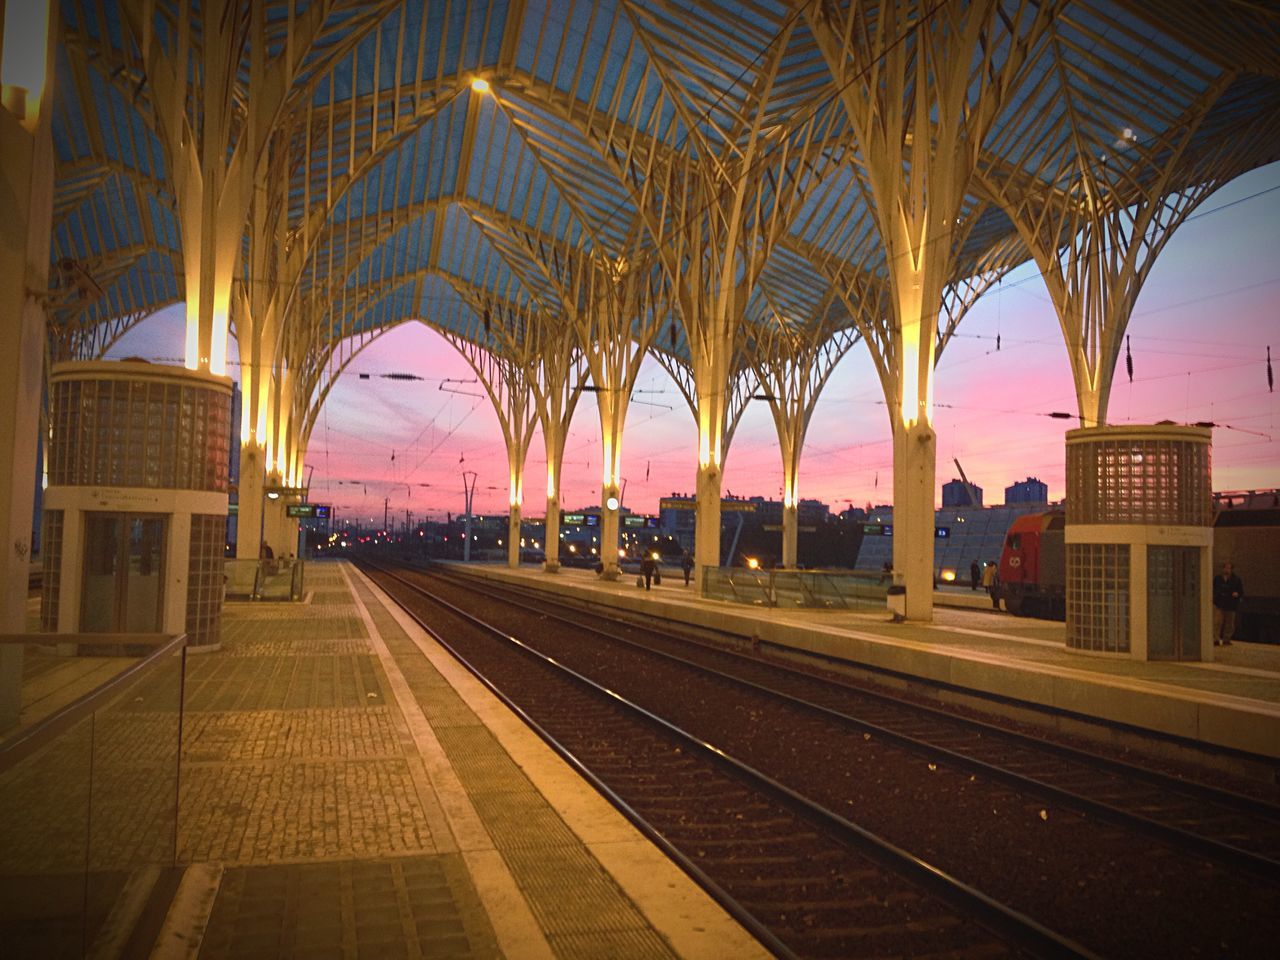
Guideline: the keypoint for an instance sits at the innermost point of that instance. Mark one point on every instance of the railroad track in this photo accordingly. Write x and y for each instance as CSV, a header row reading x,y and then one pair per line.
x,y
1239,831
806,880
939,804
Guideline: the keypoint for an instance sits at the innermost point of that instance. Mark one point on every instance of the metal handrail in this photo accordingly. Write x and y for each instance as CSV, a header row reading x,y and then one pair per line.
x,y
26,742
815,587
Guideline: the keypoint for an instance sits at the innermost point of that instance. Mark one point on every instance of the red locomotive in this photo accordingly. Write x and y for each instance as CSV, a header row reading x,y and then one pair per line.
x,y
1033,567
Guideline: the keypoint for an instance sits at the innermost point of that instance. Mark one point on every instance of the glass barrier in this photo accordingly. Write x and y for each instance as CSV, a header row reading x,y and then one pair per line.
x,y
835,589
265,579
88,806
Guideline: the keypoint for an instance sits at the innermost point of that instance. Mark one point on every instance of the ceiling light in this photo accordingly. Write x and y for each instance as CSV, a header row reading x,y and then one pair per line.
x,y
480,85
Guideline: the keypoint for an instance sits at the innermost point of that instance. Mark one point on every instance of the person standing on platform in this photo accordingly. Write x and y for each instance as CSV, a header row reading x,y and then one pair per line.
x,y
975,574
991,580
1227,591
646,567
686,564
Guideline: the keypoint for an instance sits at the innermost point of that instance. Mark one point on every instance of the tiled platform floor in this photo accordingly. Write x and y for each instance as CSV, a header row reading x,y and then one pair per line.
x,y
349,791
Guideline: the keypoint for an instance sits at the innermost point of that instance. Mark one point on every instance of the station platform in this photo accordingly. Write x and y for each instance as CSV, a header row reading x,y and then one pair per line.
x,y
349,790
1232,703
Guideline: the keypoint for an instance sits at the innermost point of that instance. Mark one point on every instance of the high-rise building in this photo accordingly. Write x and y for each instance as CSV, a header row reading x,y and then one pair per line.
x,y
1030,490
956,493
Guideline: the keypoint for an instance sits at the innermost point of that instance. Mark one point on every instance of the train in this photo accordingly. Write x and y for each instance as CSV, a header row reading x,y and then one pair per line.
x,y
1246,531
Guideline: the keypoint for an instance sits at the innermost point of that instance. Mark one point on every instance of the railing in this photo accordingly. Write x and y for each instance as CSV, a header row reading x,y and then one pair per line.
x,y
832,589
264,579
89,805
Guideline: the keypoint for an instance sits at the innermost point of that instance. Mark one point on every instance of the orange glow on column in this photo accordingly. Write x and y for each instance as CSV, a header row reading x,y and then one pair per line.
x,y
789,496
218,339
191,357
910,372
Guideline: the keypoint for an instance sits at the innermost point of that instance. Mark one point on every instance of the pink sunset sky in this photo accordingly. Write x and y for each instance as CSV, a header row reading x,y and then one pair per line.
x,y
1199,333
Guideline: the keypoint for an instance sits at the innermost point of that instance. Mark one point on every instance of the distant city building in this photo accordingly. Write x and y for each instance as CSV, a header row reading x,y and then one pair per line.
x,y
1030,490
956,493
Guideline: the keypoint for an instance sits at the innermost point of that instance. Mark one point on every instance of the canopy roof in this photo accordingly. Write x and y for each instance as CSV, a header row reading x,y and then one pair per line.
x,y
391,189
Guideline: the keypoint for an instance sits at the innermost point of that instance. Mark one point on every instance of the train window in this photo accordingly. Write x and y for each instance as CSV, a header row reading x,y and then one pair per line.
x,y
1015,541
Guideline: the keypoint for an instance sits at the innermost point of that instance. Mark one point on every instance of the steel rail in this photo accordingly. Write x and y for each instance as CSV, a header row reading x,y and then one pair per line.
x,y
995,916
1226,853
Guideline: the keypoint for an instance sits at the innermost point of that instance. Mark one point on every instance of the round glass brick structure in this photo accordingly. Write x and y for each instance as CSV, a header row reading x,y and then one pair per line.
x,y
1139,535
135,512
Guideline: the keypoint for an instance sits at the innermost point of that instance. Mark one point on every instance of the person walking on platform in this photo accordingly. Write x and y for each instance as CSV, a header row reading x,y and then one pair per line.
x,y
647,566
975,574
686,564
1227,591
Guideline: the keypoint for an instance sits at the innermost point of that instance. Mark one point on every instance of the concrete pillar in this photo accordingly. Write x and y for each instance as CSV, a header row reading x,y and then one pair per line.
x,y
26,205
612,405
610,493
513,537
553,442
791,447
790,534
249,523
551,532
279,531
914,465
707,520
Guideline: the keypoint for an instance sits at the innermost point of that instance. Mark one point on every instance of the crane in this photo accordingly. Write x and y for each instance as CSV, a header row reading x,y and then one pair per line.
x,y
968,487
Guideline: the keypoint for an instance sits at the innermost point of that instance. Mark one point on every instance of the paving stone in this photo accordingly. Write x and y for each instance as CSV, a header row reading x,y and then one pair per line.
x,y
240,736
373,911
280,682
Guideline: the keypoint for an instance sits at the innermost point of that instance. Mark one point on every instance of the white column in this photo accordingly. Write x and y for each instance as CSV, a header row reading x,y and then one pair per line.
x,y
790,535
609,493
914,464
553,440
26,206
513,537
249,513
707,520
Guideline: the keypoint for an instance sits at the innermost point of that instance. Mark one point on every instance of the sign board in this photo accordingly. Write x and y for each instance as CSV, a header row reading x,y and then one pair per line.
x,y
593,520
633,520
573,519
726,506
308,511
942,533
877,529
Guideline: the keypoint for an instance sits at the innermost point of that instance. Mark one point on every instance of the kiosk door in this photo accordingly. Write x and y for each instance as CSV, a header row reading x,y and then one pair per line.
x,y
123,573
1173,603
